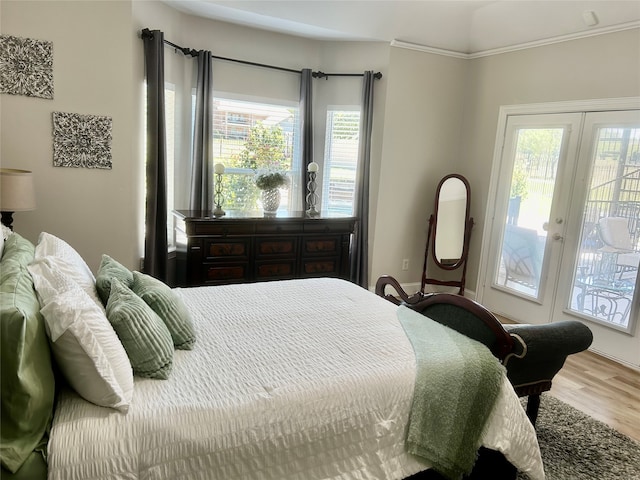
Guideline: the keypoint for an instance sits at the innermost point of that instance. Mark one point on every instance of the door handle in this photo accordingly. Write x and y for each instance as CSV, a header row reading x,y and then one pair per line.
x,y
557,236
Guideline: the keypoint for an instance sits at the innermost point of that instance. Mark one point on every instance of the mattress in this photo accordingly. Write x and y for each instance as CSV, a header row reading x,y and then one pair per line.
x,y
300,379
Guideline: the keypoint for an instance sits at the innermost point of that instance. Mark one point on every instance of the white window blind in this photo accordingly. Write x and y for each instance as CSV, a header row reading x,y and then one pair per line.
x,y
340,160
170,135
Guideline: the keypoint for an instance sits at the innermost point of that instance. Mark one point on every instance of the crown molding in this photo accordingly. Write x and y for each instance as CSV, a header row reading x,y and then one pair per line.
x,y
423,48
522,46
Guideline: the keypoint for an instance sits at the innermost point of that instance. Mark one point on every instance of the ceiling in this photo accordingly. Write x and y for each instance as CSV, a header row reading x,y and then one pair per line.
x,y
458,26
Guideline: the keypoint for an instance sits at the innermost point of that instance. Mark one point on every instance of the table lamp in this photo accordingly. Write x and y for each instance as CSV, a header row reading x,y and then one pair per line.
x,y
17,193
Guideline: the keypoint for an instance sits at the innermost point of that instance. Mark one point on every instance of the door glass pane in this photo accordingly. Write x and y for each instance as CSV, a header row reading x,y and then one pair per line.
x,y
604,280
533,179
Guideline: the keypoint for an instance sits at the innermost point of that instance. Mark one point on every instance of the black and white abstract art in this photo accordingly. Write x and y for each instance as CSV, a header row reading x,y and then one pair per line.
x,y
81,140
26,67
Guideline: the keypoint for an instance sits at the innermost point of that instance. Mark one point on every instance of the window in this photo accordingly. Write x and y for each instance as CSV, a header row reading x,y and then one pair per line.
x,y
169,118
340,160
252,137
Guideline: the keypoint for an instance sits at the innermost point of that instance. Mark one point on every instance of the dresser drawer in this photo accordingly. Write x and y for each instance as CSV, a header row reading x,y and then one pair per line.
x,y
319,267
329,226
226,249
279,227
267,247
276,269
223,229
227,273
325,245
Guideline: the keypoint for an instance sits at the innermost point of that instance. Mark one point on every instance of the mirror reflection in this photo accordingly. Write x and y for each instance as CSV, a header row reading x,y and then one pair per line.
x,y
451,221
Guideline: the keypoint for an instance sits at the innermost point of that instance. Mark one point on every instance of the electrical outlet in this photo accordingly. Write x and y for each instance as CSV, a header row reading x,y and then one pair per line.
x,y
405,264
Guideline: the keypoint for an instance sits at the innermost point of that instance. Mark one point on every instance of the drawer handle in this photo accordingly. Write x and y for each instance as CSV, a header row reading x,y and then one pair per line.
x,y
195,248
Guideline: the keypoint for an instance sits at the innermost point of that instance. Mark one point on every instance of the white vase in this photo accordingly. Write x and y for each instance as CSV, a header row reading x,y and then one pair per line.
x,y
270,200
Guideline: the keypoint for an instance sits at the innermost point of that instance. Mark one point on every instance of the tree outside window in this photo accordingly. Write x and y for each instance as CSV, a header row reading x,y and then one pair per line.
x,y
251,139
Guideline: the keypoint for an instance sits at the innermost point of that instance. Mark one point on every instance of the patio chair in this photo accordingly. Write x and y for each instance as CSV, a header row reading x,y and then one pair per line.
x,y
618,249
531,354
521,255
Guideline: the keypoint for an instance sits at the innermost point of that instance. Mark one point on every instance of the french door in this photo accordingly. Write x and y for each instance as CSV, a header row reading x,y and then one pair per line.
x,y
562,240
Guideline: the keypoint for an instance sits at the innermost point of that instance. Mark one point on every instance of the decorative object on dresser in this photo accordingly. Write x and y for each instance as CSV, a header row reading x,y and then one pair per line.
x,y
449,232
17,193
218,198
245,247
270,183
312,196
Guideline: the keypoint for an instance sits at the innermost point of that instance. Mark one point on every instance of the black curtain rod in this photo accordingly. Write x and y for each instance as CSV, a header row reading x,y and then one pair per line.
x,y
194,53
376,75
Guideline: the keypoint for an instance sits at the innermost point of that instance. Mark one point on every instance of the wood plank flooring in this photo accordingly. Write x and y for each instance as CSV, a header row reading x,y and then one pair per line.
x,y
603,389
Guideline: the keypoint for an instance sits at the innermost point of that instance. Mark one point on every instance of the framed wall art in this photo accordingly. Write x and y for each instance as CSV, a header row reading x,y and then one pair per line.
x,y
26,67
81,140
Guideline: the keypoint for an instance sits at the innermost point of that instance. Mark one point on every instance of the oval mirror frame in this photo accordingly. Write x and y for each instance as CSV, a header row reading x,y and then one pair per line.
x,y
450,242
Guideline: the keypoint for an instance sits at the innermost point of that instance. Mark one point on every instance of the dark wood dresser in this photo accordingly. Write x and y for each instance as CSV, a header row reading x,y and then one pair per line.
x,y
241,247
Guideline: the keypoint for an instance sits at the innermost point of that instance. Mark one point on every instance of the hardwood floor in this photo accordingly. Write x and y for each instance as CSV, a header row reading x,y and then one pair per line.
x,y
603,389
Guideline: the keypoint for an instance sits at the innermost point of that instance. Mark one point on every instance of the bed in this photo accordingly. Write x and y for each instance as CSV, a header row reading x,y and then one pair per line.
x,y
294,379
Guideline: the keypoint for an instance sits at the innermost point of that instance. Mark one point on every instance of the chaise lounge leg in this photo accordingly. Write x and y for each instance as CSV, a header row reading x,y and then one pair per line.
x,y
533,404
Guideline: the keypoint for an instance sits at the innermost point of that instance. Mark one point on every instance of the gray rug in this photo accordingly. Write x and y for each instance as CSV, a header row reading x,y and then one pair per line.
x,y
575,446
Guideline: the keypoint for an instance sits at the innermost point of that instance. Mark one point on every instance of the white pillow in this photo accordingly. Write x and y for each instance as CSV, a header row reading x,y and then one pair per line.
x,y
49,278
6,231
68,261
84,344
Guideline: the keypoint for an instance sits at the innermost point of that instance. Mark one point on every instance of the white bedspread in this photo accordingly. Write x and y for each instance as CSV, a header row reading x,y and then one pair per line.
x,y
301,379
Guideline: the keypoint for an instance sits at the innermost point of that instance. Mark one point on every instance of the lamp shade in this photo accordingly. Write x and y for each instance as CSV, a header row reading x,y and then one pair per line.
x,y
17,193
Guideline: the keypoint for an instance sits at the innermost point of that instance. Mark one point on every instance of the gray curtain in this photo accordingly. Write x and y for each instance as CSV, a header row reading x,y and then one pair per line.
x,y
306,128
155,246
360,244
200,197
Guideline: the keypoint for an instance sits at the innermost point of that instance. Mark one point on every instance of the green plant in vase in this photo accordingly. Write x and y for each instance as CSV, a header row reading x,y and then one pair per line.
x,y
270,183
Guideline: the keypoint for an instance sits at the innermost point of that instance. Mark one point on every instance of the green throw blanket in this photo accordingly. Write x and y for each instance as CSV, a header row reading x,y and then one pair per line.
x,y
457,383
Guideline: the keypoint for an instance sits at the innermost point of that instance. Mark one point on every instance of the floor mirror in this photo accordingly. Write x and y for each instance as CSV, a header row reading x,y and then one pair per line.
x,y
450,225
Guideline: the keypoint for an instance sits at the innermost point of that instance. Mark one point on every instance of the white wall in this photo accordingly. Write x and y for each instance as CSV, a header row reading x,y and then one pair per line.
x,y
421,143
94,210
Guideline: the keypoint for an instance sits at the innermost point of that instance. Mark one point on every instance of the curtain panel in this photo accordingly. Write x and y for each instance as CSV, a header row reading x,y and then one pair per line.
x,y
306,128
200,197
155,248
360,242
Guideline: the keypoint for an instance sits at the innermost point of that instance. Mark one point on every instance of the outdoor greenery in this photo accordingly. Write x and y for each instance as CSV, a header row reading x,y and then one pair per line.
x,y
519,187
264,150
271,180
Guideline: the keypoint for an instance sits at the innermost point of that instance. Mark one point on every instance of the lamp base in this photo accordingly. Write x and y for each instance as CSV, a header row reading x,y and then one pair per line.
x,y
7,219
218,211
312,212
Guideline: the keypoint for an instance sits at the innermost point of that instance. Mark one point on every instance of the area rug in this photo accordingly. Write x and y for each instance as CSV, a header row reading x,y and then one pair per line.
x,y
575,446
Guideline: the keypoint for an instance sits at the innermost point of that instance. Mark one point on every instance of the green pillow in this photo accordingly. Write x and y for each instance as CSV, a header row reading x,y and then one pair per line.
x,y
143,334
27,385
107,270
169,307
